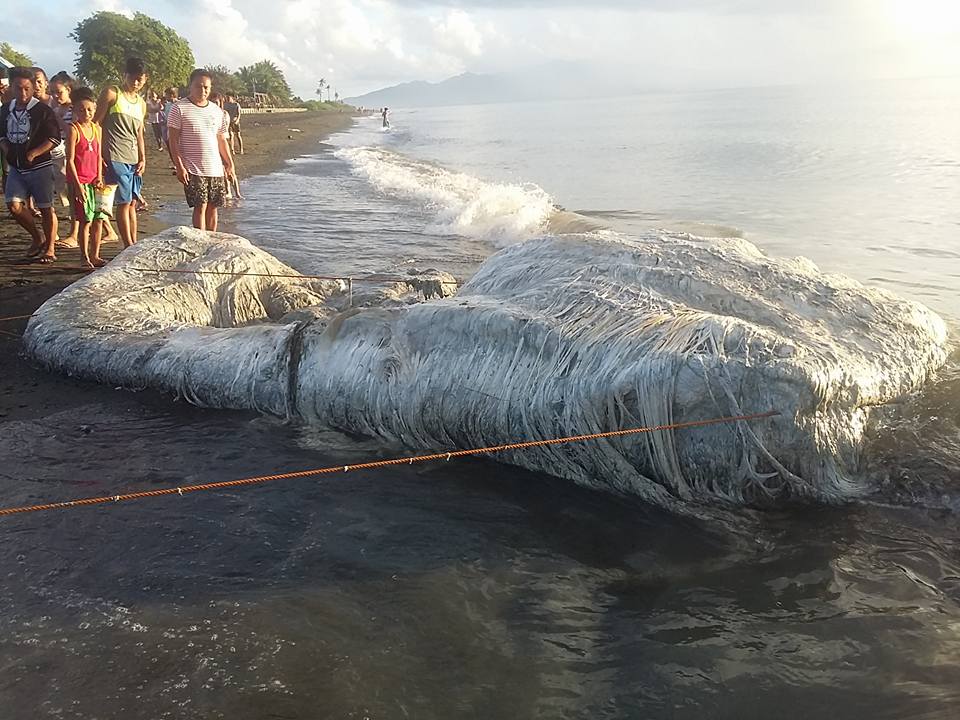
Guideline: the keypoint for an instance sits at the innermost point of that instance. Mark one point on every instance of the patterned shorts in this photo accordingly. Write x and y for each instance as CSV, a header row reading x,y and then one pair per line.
x,y
201,190
91,207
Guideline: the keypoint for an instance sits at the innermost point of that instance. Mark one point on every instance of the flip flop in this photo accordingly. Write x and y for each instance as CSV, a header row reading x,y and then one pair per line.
x,y
46,259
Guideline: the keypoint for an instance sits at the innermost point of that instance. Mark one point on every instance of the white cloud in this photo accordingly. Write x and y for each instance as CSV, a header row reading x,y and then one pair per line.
x,y
113,6
458,31
365,44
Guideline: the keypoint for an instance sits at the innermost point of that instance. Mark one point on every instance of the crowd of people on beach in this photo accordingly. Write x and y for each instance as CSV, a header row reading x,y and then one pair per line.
x,y
64,144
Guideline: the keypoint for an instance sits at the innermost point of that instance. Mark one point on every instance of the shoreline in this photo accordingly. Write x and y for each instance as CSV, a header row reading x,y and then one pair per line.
x,y
26,392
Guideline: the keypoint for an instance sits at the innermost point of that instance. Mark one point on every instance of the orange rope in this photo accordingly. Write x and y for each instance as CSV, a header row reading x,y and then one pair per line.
x,y
345,278
247,274
376,464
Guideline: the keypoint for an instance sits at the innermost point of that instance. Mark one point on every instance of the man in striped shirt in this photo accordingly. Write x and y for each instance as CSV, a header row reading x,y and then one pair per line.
x,y
197,130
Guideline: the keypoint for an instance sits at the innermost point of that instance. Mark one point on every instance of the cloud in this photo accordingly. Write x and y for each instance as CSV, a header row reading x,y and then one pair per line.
x,y
457,30
360,45
722,7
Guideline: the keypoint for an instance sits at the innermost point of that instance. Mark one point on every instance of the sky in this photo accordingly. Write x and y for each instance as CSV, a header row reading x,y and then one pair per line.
x,y
363,45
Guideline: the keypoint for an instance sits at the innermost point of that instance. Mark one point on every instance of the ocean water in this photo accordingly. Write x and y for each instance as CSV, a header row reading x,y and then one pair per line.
x,y
478,590
863,180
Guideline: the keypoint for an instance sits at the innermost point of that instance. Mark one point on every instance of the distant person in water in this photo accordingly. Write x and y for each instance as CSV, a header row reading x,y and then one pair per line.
x,y
199,149
386,120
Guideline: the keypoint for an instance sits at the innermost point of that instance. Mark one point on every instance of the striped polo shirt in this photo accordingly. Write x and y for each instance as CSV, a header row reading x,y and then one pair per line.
x,y
199,127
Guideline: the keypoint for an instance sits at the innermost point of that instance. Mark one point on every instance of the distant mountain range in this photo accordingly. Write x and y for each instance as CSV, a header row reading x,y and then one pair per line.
x,y
551,82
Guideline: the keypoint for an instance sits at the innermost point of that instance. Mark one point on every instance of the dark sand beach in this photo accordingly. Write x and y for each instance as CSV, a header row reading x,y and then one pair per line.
x,y
28,393
467,589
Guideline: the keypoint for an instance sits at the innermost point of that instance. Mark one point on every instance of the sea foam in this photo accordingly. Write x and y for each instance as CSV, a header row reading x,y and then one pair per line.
x,y
461,204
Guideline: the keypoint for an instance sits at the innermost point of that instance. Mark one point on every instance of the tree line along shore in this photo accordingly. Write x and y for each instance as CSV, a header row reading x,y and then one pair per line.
x,y
105,39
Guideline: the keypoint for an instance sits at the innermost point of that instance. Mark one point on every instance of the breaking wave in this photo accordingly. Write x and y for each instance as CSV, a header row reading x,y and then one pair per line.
x,y
461,204
499,213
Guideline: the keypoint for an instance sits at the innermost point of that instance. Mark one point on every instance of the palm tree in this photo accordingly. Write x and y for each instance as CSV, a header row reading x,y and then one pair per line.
x,y
320,86
224,81
265,77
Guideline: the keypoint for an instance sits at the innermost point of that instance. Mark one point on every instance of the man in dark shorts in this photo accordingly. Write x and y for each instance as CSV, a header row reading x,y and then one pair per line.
x,y
28,132
232,108
197,129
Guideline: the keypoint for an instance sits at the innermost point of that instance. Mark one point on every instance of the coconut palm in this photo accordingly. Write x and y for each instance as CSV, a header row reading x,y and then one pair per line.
x,y
265,77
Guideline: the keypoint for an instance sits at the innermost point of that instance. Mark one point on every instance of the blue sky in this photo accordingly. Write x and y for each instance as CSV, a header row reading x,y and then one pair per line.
x,y
361,45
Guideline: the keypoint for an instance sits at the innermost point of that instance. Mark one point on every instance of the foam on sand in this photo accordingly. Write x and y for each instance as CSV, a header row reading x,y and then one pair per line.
x,y
552,337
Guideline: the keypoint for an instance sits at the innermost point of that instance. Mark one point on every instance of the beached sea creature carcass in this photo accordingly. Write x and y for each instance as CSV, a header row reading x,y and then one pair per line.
x,y
552,337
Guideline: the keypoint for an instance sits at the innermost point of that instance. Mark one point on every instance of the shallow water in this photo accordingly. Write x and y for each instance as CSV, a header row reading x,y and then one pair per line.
x,y
479,590
863,180
432,592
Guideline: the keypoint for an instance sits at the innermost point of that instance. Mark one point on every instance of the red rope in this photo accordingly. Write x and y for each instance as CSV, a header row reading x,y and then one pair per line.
x,y
376,464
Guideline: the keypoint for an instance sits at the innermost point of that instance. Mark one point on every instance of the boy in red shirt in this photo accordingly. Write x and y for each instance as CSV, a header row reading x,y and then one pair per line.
x,y
85,174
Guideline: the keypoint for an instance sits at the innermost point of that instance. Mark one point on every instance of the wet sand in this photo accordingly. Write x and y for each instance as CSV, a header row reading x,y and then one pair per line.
x,y
29,393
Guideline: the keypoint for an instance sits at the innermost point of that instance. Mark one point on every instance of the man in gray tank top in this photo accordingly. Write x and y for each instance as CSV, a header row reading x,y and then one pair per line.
x,y
121,112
